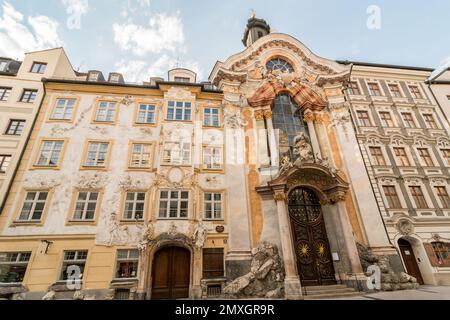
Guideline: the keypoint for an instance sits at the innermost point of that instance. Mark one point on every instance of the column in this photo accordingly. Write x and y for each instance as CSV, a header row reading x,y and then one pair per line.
x,y
273,146
196,289
143,272
263,153
292,286
322,136
309,119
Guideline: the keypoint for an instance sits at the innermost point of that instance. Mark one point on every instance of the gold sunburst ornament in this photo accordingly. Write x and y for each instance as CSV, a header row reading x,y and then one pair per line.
x,y
304,250
321,250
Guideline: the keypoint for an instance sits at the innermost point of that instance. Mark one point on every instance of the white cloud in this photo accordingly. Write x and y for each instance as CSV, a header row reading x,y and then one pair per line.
x,y
139,70
17,38
163,33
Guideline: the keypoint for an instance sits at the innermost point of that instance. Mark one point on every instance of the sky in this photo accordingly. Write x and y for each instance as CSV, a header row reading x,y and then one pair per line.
x,y
144,38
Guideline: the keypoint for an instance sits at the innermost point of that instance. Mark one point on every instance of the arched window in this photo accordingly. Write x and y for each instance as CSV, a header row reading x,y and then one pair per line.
x,y
279,64
288,118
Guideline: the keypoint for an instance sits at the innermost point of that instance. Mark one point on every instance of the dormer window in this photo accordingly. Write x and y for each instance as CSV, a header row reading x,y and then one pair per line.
x,y
38,67
279,64
3,65
114,78
93,77
182,79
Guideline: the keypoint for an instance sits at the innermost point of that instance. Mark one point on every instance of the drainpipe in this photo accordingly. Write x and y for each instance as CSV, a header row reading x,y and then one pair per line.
x,y
8,190
355,128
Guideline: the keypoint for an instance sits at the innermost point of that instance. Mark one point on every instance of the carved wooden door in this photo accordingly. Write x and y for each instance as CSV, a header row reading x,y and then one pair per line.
x,y
171,273
314,262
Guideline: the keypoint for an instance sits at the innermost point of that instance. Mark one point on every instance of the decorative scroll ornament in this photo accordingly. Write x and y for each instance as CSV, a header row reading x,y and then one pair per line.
x,y
279,196
127,101
405,227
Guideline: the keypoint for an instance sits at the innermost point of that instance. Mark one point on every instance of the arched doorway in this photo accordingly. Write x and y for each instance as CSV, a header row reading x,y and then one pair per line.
x,y
171,273
409,259
314,262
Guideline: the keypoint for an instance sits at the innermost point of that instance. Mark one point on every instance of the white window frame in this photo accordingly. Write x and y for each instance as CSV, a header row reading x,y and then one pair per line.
x,y
140,155
74,261
106,107
134,203
146,113
69,104
184,151
128,258
85,203
52,153
33,203
18,261
215,159
5,93
178,200
183,109
97,154
213,202
211,117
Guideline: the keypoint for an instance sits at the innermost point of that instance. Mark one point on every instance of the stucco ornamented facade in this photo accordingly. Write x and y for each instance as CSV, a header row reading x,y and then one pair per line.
x,y
256,184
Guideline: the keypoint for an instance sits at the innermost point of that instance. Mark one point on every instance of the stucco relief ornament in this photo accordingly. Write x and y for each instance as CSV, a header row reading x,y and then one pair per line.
x,y
285,164
92,181
258,72
302,149
234,120
101,130
199,235
117,234
147,236
405,227
147,132
127,101
212,181
130,183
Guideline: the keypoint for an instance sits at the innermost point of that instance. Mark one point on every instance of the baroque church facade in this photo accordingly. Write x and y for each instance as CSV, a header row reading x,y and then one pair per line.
x,y
261,183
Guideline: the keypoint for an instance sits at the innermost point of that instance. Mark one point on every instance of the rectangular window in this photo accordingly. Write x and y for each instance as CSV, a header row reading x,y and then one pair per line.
x,y
28,96
213,206
177,153
402,157
63,109
15,127
415,91
5,93
3,65
409,120
429,120
424,154
442,251
50,153
363,118
377,156
212,158
134,206
13,266
85,206
33,206
395,90
73,265
392,198
443,196
374,89
141,155
211,117
386,119
353,88
213,263
146,114
446,155
96,156
38,67
106,111
182,79
127,264
179,111
173,204
418,197
5,160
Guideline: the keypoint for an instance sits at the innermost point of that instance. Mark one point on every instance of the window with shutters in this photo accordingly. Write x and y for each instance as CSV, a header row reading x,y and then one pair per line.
x,y
213,263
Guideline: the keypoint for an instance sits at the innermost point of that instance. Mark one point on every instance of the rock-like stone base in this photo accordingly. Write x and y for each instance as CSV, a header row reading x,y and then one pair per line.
x,y
237,268
392,274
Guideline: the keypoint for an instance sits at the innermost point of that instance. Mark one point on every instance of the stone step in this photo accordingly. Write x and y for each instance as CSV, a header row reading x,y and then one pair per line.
x,y
333,295
338,291
331,287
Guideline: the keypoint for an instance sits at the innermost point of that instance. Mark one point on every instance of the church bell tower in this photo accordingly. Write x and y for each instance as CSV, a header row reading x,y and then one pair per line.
x,y
256,28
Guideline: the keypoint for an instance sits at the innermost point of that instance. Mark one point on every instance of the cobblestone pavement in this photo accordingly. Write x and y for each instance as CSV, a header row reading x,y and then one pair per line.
x,y
423,293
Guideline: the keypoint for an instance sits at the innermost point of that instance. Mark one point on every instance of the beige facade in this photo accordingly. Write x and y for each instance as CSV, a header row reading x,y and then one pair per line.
x,y
21,93
403,135
268,181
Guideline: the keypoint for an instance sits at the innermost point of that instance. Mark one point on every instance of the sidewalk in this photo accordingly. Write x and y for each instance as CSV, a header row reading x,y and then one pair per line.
x,y
423,293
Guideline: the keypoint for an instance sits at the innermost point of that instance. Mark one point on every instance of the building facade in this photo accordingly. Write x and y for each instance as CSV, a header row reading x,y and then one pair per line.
x,y
404,138
21,93
257,183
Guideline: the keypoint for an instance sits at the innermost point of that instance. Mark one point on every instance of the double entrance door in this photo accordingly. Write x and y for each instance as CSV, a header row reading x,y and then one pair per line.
x,y
171,273
314,261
